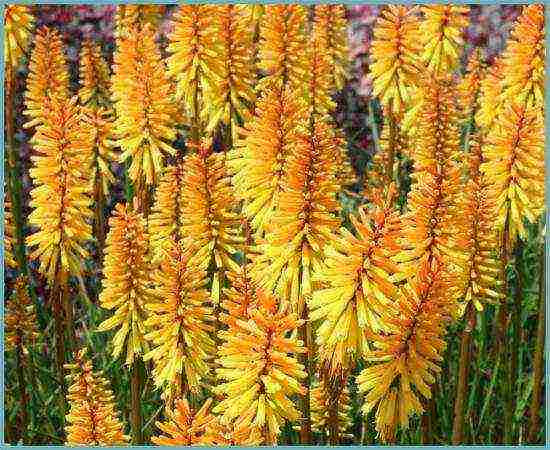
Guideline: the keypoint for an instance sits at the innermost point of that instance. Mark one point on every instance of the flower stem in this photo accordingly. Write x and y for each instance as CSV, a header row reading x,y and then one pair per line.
x,y
463,371
22,389
135,392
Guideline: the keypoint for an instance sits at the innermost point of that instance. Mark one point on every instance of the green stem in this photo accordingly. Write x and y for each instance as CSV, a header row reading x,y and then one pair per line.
x,y
135,392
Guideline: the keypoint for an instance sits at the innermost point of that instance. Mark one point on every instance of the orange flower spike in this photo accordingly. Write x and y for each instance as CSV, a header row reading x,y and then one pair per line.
x,y
165,220
321,408
209,216
403,363
433,228
229,100
144,106
442,29
358,279
48,74
179,322
523,58
514,167
20,320
331,21
92,419
95,82
236,434
126,283
395,55
61,195
18,26
260,370
484,269
282,55
260,158
469,87
194,62
185,427
130,16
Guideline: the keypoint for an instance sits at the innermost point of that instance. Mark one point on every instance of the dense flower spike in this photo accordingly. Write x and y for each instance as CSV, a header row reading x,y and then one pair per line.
x,y
395,56
95,83
304,218
237,434
490,98
442,29
100,122
130,16
208,214
483,268
523,59
470,86
433,228
359,278
321,407
179,322
230,99
193,62
260,158
93,418
18,26
165,220
282,43
330,20
514,167
402,364
127,282
48,73
259,372
20,318
61,195
9,233
144,105
185,427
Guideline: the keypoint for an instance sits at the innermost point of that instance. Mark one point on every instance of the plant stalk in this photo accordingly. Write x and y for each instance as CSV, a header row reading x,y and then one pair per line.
x,y
135,392
538,358
22,389
305,335
463,372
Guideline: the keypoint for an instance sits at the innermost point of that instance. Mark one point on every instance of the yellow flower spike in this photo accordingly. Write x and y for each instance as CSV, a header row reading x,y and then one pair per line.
x,y
433,228
230,99
9,232
93,418
20,319
442,28
48,74
259,369
260,157
358,284
513,165
469,88
130,16
61,196
282,55
184,426
127,282
331,21
304,219
100,122
165,220
209,217
144,106
402,364
523,58
484,268
239,434
490,98
194,47
95,82
18,26
395,55
179,322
